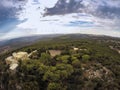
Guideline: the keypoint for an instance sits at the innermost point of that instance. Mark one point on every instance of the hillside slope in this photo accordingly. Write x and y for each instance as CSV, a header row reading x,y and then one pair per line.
x,y
68,62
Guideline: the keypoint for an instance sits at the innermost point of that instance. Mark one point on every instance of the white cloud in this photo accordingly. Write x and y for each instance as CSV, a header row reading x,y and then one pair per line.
x,y
47,3
37,24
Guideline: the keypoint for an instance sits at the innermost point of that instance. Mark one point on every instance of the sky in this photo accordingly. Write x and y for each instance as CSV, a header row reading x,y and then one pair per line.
x,y
20,18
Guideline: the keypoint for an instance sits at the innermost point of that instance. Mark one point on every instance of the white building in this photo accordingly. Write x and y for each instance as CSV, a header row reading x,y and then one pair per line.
x,y
13,60
13,66
20,55
75,49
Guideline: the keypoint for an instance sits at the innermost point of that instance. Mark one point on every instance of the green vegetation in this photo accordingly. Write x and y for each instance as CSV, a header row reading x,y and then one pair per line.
x,y
91,67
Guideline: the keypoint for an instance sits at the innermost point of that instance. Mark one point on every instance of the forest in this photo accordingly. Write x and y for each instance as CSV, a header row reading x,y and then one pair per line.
x,y
66,62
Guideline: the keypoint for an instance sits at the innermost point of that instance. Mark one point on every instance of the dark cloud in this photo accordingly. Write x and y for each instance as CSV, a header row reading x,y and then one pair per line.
x,y
9,9
99,8
8,14
108,12
65,7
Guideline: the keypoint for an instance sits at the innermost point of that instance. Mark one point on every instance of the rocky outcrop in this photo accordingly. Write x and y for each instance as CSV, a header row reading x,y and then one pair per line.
x,y
97,71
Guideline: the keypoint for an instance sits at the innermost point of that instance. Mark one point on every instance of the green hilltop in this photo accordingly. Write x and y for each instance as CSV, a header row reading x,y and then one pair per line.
x,y
68,62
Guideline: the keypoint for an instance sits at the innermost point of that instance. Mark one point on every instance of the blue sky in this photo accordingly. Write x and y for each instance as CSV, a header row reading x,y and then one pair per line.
x,y
30,17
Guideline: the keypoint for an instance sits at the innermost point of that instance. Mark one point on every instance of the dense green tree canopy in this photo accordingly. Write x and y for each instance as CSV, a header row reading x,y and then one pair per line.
x,y
92,67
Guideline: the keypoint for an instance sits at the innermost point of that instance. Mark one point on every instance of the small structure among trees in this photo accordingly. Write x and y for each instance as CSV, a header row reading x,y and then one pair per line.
x,y
13,60
75,48
54,53
20,55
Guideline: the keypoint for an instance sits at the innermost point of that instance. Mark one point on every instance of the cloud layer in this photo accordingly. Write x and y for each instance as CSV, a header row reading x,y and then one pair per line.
x,y
10,8
104,11
18,17
100,8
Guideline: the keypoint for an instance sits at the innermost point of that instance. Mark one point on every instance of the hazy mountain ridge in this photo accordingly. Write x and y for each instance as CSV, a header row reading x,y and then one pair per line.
x,y
15,43
11,44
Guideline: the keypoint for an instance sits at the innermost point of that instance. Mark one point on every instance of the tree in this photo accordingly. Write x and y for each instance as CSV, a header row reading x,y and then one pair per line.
x,y
85,58
54,86
51,75
45,58
67,67
76,63
30,86
42,69
64,58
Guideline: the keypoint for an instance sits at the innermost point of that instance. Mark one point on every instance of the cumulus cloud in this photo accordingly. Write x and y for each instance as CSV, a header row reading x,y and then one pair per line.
x,y
100,8
61,16
9,8
106,12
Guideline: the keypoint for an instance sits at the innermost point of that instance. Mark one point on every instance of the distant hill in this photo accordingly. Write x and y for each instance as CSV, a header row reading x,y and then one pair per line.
x,y
11,44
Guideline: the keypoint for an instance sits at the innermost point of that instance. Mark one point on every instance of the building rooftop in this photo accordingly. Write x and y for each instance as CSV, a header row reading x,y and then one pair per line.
x,y
53,53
